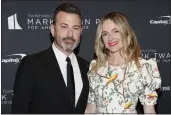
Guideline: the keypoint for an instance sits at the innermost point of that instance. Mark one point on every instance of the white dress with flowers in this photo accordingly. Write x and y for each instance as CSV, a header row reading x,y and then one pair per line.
x,y
117,89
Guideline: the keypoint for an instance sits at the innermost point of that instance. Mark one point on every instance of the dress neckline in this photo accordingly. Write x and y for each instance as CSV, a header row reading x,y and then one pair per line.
x,y
115,66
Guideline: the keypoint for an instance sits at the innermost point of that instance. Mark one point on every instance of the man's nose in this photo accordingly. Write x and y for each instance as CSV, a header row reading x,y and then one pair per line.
x,y
70,32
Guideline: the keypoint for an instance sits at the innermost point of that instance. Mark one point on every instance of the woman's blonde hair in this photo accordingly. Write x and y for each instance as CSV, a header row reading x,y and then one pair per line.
x,y
131,48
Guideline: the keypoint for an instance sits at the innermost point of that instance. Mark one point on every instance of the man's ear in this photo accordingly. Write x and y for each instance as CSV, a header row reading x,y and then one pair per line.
x,y
52,30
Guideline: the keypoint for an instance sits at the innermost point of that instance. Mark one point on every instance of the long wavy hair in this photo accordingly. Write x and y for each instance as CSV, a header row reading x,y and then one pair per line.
x,y
131,49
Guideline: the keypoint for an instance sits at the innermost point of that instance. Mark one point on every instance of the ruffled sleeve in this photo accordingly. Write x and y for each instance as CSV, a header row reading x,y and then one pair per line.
x,y
151,81
91,75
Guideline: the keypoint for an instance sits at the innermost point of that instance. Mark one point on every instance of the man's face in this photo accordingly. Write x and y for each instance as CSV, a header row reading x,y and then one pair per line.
x,y
66,31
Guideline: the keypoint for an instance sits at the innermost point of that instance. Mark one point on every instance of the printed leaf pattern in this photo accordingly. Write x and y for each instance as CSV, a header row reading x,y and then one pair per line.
x,y
114,93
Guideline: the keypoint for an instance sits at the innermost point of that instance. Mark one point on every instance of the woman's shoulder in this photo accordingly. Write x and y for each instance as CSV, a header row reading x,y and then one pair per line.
x,y
150,71
151,61
92,63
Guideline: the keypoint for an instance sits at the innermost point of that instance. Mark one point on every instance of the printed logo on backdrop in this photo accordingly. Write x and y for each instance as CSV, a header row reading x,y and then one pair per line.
x,y
39,21
86,22
13,23
163,57
13,58
43,21
164,20
6,96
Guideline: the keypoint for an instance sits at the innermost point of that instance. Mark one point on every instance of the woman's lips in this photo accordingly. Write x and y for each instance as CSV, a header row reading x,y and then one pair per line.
x,y
112,43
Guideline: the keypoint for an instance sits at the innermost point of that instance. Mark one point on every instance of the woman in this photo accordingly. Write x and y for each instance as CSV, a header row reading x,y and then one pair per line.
x,y
118,76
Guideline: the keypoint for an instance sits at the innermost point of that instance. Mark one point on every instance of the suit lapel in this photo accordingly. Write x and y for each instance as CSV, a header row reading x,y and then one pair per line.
x,y
54,71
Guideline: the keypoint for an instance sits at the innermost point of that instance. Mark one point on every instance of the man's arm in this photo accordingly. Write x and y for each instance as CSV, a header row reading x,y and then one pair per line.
x,y
22,96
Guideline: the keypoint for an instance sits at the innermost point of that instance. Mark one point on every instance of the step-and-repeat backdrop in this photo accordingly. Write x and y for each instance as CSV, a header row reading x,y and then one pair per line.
x,y
26,24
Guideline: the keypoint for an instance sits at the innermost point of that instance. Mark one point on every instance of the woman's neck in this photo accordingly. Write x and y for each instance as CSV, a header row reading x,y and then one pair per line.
x,y
115,59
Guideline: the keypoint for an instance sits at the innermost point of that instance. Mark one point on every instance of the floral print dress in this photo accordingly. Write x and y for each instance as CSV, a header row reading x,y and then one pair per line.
x,y
117,89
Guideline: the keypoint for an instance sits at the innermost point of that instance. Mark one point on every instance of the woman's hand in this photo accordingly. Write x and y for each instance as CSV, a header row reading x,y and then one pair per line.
x,y
91,108
149,109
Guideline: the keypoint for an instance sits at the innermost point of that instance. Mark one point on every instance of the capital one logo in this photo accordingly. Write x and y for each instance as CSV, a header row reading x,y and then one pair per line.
x,y
13,58
162,20
13,23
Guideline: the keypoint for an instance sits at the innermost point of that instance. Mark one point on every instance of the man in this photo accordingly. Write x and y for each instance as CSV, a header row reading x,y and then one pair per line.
x,y
55,80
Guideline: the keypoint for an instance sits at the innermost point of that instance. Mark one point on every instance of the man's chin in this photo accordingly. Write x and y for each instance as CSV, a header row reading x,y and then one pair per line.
x,y
68,49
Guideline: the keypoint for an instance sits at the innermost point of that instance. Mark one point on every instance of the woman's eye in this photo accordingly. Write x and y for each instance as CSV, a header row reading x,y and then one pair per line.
x,y
104,34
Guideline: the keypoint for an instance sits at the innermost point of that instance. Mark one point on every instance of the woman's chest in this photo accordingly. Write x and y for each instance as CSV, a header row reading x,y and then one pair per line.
x,y
118,84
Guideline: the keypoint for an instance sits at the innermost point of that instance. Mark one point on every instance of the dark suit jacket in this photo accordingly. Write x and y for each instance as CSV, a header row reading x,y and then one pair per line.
x,y
40,88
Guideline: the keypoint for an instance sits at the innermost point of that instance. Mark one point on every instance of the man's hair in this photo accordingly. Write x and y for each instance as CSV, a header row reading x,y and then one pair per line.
x,y
68,8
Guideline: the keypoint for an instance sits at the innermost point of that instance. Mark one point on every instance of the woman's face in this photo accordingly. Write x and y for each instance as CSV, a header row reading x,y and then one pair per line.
x,y
111,36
